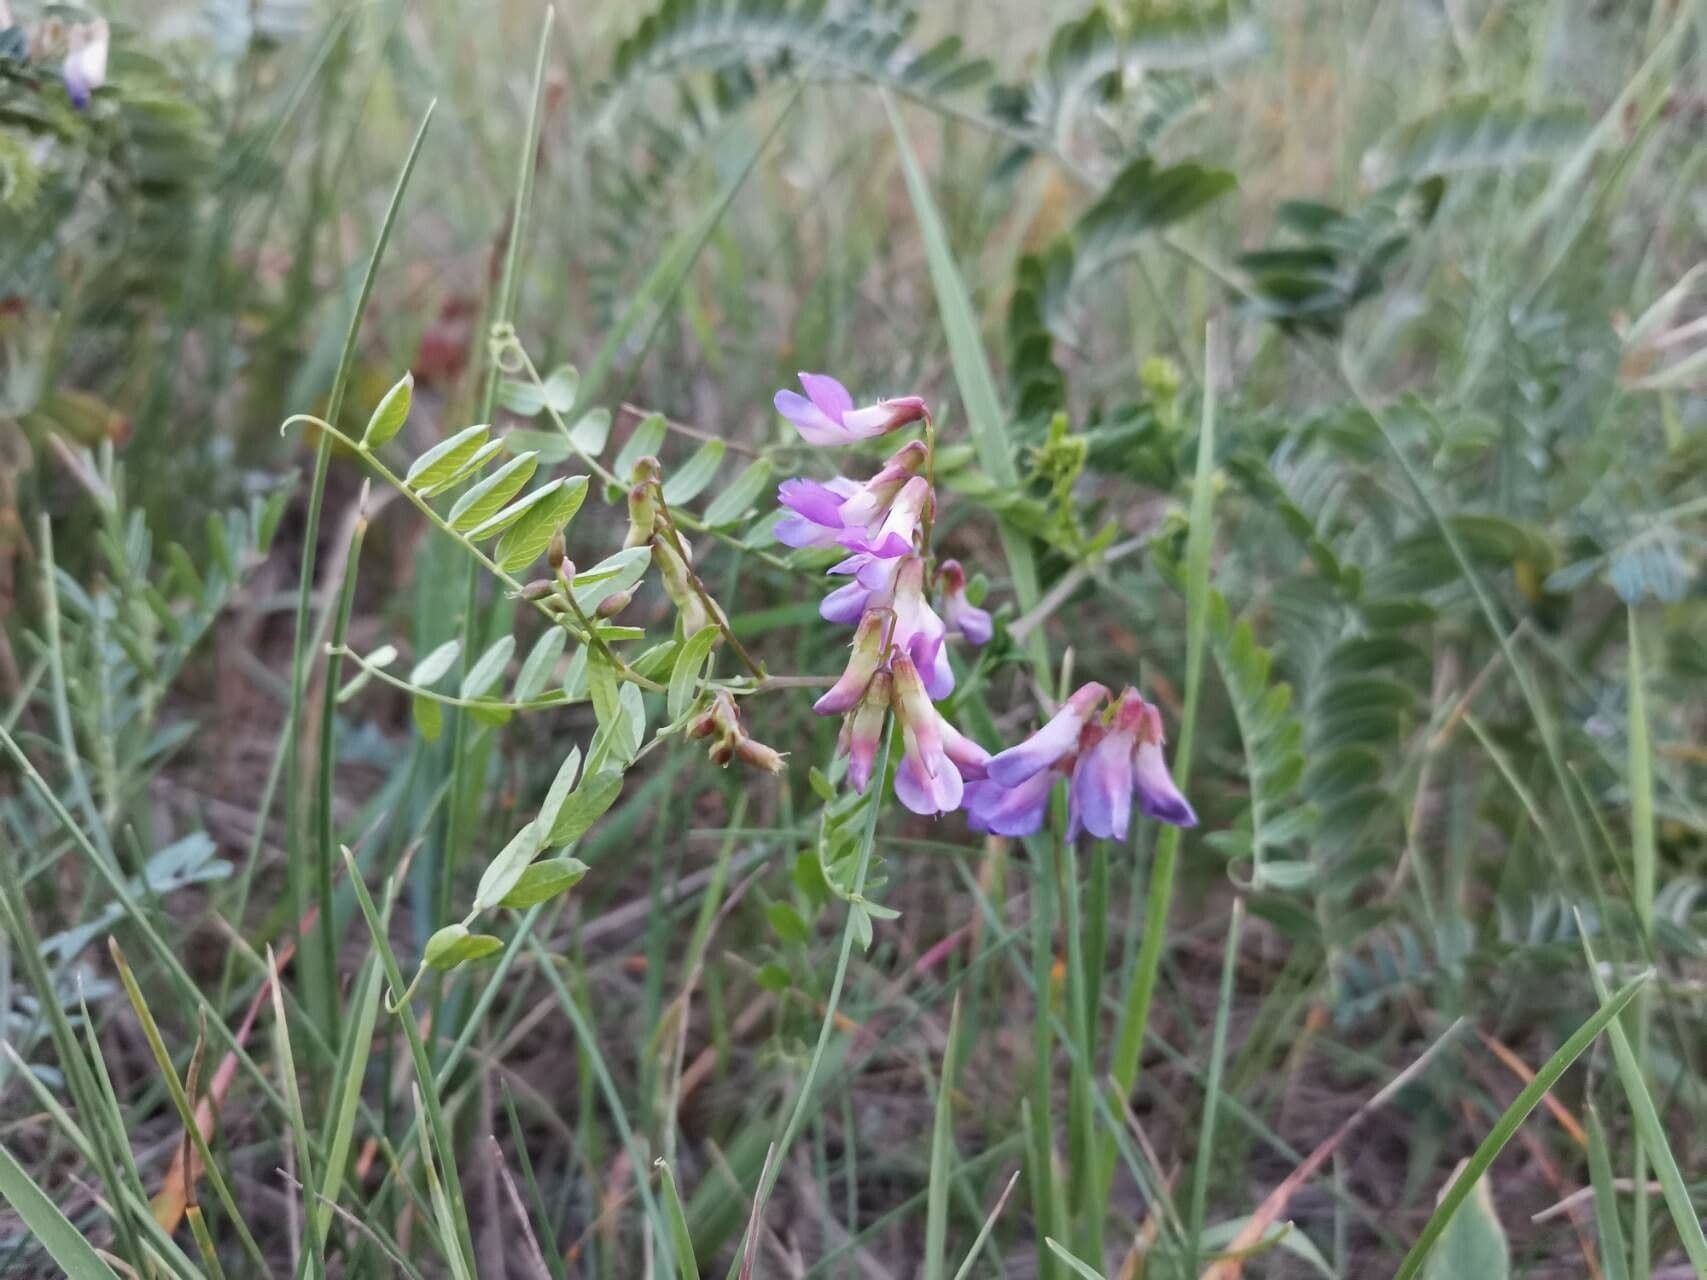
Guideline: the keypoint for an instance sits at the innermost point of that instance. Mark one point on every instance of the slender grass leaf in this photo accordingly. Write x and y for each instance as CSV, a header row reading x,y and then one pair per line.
x,y
51,1228
1655,1145
1505,1128
687,1268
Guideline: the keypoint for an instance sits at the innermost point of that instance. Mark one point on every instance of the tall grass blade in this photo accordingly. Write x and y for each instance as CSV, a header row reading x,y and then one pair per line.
x,y
942,1156
1649,1129
51,1228
1641,782
984,417
1505,1128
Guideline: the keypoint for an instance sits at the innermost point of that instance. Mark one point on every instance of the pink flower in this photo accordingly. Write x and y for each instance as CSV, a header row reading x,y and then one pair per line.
x,y
1112,764
959,613
873,584
919,633
893,536
85,66
929,779
1055,741
814,512
863,727
867,657
825,415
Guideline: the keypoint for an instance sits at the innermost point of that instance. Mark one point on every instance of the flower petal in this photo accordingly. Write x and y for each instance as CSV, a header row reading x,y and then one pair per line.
x,y
1009,811
1102,787
811,421
928,786
1157,796
830,396
1057,738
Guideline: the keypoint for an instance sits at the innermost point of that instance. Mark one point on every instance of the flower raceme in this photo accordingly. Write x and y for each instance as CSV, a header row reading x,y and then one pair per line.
x,y
899,657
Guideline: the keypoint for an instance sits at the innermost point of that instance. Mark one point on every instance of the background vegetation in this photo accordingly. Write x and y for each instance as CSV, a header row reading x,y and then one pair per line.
x,y
1332,371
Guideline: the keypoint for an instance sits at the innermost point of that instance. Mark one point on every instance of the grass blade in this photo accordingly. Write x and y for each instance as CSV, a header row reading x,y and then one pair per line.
x,y
1614,1261
1648,1127
1198,1208
1505,1128
989,1225
1641,778
942,1153
63,1242
686,1266
984,417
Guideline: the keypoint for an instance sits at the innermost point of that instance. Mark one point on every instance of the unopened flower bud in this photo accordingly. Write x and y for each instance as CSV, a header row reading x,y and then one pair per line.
x,y
557,551
678,585
646,470
538,589
722,752
759,755
642,515
614,604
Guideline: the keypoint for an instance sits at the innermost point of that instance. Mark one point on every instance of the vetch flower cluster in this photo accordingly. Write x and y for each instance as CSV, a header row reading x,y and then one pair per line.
x,y
1111,758
899,661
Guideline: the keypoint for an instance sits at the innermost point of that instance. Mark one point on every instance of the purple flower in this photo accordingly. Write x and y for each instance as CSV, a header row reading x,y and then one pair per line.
x,y
1055,741
928,780
959,613
814,512
1009,811
893,536
919,633
825,415
1112,763
85,66
867,656
861,729
874,582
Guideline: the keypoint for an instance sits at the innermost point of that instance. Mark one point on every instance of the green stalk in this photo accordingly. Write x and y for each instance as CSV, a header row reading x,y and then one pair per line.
x,y
1642,876
1197,1209
803,1099
321,984
1140,993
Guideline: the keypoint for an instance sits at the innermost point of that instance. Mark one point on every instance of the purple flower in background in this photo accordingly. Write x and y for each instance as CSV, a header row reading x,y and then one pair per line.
x,y
959,613
85,66
813,516
825,415
1055,741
